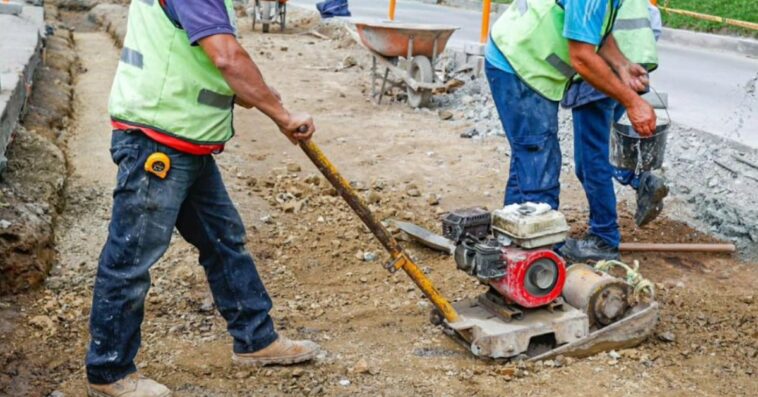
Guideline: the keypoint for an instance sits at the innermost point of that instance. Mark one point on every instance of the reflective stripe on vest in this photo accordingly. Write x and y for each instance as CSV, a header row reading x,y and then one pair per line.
x,y
210,98
132,57
555,61
632,24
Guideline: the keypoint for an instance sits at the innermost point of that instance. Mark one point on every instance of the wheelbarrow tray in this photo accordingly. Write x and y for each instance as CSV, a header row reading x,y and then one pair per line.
x,y
392,39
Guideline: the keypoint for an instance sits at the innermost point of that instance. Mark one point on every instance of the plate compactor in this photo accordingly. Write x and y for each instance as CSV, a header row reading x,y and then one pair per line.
x,y
536,306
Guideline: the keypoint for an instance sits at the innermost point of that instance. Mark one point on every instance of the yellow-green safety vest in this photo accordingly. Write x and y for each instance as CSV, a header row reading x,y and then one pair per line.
x,y
530,35
166,84
634,33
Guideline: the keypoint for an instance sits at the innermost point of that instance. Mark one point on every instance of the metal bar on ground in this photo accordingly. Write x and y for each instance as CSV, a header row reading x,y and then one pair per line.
x,y
653,247
402,260
712,18
486,9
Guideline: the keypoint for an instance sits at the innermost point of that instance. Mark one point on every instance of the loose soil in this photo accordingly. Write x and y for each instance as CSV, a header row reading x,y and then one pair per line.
x,y
311,252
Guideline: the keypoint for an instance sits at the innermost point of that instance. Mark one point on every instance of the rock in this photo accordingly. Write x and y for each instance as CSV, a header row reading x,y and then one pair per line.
x,y
748,299
348,62
57,393
43,322
472,132
445,114
369,256
298,372
506,371
373,197
407,215
667,336
293,167
267,219
242,374
361,367
344,382
4,224
413,191
433,199
614,355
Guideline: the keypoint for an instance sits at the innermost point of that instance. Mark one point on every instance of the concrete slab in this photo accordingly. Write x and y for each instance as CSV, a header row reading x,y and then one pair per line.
x,y
20,54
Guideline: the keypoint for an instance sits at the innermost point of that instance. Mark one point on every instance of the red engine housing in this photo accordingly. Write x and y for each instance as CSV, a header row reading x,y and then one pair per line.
x,y
526,281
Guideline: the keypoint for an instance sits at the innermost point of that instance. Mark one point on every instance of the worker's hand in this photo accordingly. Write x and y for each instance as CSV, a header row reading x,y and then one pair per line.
x,y
642,116
634,76
297,127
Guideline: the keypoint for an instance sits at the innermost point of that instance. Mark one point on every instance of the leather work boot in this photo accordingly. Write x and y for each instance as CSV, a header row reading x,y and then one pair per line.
x,y
282,352
134,385
590,248
650,197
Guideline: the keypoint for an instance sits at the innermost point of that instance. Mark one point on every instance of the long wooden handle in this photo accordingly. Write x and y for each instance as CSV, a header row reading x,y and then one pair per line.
x,y
402,260
652,247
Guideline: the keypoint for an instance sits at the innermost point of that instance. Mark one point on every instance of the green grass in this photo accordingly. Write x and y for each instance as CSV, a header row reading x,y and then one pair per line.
x,y
744,10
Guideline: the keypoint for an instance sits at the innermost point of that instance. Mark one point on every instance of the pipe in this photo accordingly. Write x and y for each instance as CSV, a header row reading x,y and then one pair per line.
x,y
652,247
706,17
402,260
392,10
486,9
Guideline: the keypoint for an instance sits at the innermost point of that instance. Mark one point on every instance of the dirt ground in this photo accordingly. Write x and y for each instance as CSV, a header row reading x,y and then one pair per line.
x,y
311,253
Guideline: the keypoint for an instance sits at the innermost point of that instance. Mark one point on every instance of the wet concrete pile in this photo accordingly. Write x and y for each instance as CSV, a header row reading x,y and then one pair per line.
x,y
31,185
714,180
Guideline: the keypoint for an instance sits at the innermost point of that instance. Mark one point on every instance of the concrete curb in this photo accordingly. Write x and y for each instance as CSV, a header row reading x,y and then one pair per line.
x,y
739,45
21,53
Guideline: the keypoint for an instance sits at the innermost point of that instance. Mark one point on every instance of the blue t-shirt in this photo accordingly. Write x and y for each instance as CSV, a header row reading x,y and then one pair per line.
x,y
200,18
583,22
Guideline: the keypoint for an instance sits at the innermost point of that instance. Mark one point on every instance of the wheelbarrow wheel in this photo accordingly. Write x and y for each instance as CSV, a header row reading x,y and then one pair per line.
x,y
422,72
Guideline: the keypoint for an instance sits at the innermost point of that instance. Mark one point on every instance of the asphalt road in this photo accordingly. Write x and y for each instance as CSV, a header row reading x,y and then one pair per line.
x,y
709,90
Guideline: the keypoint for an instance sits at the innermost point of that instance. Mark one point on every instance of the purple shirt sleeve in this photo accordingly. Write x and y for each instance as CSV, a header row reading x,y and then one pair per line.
x,y
200,18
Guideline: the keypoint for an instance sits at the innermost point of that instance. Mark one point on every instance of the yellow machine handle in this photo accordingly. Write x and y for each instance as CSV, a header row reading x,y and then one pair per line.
x,y
401,260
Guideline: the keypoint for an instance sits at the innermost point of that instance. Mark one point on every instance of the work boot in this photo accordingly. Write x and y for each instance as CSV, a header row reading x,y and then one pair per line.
x,y
134,385
650,197
590,248
282,352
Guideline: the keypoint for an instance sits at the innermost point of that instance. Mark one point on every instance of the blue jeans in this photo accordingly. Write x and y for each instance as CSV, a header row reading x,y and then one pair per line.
x,y
592,126
146,209
531,126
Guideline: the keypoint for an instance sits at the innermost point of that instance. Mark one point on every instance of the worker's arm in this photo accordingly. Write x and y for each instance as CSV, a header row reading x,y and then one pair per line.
x,y
245,79
596,70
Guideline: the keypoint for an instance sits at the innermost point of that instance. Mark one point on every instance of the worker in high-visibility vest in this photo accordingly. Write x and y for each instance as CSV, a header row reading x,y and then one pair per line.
x,y
536,49
636,30
181,72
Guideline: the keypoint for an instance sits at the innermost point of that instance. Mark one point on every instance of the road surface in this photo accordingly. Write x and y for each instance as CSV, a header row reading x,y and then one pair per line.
x,y
709,90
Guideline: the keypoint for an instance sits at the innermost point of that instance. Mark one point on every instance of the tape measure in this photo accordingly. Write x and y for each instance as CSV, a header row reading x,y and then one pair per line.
x,y
158,164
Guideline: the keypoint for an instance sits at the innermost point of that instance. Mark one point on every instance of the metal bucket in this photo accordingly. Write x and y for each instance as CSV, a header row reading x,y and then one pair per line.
x,y
631,151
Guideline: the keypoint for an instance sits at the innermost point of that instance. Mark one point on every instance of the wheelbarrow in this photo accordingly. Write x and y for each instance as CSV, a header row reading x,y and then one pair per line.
x,y
417,45
268,12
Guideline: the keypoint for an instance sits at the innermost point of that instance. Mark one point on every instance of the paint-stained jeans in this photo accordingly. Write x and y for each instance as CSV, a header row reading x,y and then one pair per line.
x,y
146,209
531,125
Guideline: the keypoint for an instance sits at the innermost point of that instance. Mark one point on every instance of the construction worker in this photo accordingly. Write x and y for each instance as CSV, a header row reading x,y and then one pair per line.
x,y
536,49
636,30
180,73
